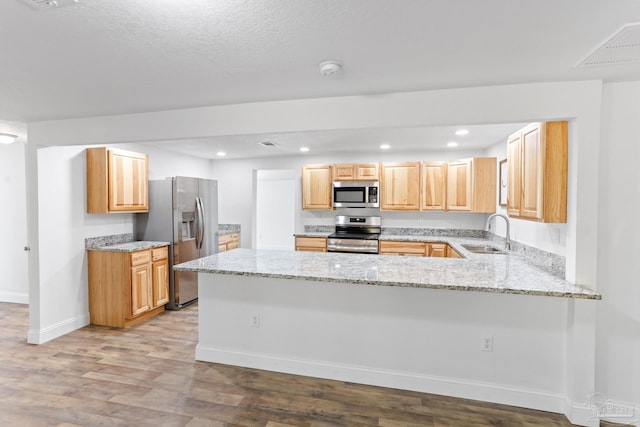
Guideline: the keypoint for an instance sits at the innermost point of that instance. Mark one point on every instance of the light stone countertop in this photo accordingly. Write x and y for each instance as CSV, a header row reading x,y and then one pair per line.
x,y
478,272
130,246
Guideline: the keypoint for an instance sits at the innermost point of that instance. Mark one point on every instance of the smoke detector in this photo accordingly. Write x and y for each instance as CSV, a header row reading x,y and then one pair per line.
x,y
329,68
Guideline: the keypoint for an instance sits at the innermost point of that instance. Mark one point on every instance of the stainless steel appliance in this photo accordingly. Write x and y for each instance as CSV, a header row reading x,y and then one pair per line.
x,y
358,234
184,212
352,194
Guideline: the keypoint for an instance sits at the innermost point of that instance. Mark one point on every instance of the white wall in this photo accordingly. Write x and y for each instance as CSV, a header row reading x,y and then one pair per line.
x,y
618,345
64,225
14,286
275,213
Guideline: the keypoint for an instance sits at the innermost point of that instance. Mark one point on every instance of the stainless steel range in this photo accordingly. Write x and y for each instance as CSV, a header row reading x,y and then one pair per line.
x,y
358,234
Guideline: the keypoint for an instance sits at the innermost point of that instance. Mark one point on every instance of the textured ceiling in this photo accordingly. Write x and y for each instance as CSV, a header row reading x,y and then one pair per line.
x,y
101,57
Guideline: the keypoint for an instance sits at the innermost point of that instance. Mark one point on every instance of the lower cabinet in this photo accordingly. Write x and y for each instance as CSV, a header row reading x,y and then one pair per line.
x,y
311,244
127,287
404,248
228,242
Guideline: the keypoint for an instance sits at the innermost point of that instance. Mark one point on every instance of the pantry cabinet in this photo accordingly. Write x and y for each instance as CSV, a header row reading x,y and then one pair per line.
x,y
311,244
355,172
316,187
400,186
472,185
537,164
117,181
127,287
433,186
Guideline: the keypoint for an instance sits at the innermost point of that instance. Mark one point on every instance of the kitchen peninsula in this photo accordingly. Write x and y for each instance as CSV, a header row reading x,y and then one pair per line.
x,y
487,327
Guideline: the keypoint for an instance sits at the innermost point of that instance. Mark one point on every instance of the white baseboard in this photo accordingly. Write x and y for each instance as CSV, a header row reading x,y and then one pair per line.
x,y
454,387
54,331
14,297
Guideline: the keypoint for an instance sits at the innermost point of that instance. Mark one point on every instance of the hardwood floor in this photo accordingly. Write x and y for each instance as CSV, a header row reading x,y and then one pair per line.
x,y
147,376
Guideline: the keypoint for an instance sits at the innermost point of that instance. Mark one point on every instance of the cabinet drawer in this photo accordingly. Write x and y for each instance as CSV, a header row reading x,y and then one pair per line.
x,y
140,257
309,243
403,248
159,253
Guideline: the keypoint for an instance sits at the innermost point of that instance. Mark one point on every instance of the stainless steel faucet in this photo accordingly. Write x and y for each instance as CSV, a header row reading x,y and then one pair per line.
x,y
507,243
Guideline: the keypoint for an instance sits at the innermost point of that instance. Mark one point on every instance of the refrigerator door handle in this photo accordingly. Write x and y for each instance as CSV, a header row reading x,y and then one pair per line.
x,y
200,233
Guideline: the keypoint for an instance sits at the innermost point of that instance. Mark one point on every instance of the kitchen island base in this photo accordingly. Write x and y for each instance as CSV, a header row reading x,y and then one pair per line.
x,y
426,340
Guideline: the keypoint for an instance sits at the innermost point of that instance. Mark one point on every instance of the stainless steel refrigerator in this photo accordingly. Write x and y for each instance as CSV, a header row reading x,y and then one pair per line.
x,y
184,212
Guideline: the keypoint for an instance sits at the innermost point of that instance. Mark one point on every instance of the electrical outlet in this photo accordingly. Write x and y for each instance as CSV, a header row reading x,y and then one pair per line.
x,y
255,320
486,343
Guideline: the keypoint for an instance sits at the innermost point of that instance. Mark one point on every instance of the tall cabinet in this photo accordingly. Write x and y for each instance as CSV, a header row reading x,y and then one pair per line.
x,y
537,164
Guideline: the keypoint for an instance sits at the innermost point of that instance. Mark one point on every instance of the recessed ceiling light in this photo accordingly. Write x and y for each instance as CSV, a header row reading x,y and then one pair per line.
x,y
304,149
385,146
462,132
452,144
221,154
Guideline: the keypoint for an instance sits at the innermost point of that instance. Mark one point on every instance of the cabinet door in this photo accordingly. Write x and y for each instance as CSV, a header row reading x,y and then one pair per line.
x,y
459,185
532,173
128,181
316,187
434,186
344,172
160,271
140,289
367,172
400,186
313,244
514,175
438,250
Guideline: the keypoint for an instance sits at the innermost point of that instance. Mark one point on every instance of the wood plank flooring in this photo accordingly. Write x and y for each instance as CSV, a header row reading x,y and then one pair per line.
x,y
147,376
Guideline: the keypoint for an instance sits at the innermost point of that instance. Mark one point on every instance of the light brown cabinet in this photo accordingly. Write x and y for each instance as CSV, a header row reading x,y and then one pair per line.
x,y
117,181
405,248
316,187
311,244
433,186
355,172
228,242
472,185
127,287
537,164
400,186
391,247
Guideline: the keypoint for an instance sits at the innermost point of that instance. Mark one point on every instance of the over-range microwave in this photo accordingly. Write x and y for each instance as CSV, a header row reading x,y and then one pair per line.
x,y
352,194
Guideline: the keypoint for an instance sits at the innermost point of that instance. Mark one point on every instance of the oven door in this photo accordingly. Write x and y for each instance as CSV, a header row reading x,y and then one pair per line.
x,y
360,246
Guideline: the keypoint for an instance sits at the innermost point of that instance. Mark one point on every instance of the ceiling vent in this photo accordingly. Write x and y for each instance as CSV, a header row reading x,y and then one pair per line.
x,y
268,144
49,4
621,48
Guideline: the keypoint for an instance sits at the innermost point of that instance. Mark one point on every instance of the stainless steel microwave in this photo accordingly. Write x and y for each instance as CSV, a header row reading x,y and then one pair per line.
x,y
352,194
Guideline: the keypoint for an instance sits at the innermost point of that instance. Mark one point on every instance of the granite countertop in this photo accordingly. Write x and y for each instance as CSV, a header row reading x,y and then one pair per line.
x,y
224,229
313,234
477,272
130,246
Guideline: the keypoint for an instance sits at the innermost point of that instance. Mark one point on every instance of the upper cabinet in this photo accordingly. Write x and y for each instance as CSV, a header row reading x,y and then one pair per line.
x,y
316,187
355,172
537,162
472,185
117,181
433,186
400,186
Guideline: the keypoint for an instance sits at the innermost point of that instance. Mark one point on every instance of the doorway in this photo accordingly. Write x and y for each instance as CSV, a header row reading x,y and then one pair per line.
x,y
275,209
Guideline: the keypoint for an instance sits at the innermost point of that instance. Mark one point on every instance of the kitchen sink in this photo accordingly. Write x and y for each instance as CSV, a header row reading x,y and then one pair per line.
x,y
483,249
